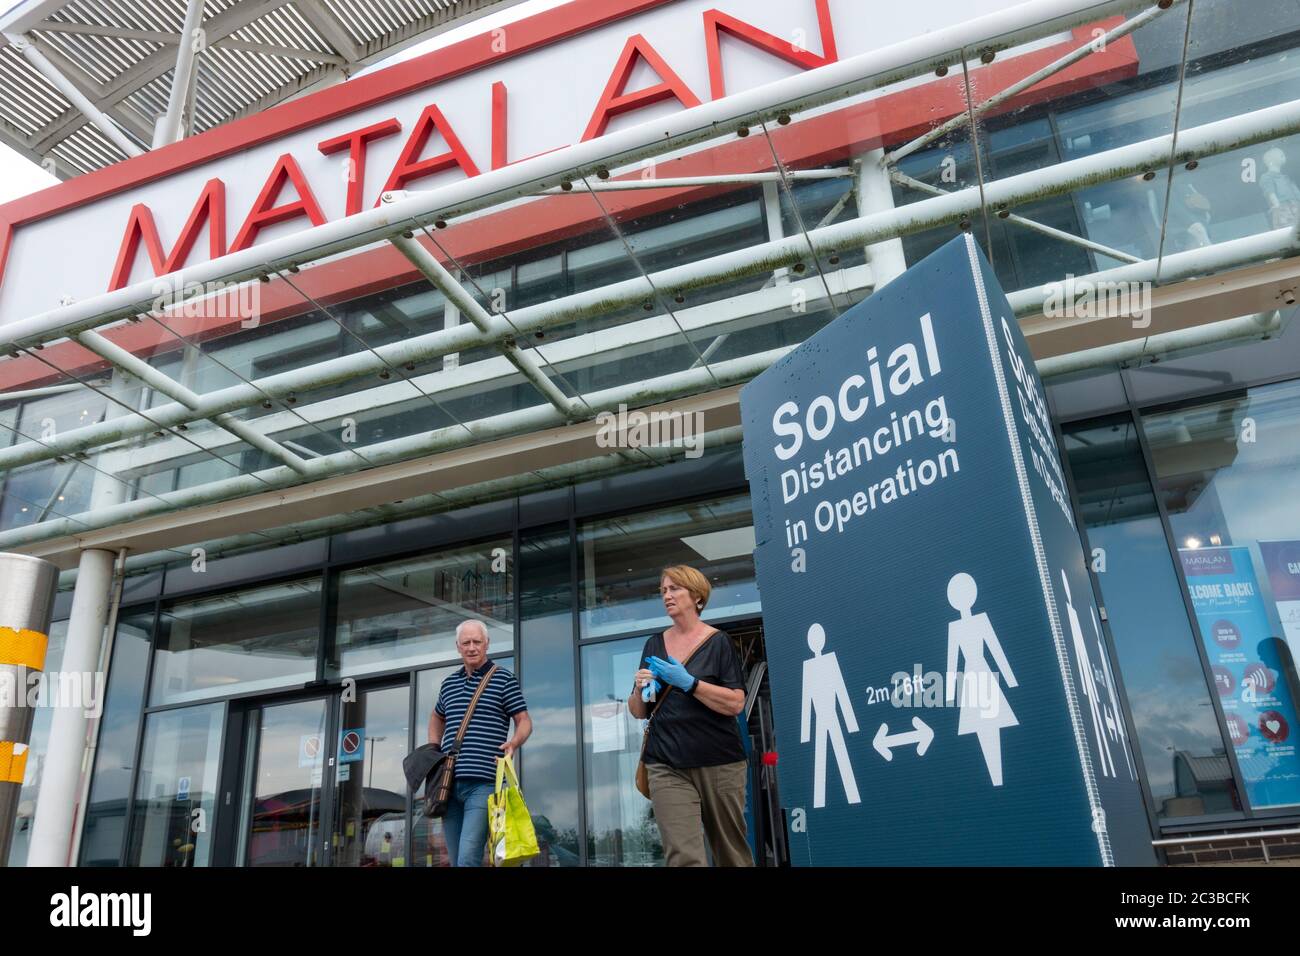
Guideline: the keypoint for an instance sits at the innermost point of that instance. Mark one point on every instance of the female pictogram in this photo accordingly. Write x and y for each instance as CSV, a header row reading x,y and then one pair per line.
x,y
984,708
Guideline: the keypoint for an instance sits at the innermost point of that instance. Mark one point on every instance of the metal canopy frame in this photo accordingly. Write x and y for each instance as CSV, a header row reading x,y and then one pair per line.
x,y
409,222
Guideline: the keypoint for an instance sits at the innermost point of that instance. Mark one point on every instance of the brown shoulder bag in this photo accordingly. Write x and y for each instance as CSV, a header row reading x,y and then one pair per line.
x,y
438,793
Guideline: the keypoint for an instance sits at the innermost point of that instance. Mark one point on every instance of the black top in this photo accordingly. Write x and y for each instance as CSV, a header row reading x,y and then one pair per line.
x,y
683,732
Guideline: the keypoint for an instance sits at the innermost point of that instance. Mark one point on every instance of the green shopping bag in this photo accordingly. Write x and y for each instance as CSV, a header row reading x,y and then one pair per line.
x,y
513,839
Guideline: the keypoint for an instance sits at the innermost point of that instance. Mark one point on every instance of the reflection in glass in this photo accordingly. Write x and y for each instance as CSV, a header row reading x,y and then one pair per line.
x,y
550,757
1229,476
175,798
104,832
1173,718
622,558
369,786
404,614
247,640
283,807
620,831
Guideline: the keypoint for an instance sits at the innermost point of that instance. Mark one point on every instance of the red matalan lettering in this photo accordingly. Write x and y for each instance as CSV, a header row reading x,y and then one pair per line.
x,y
266,213
140,226
409,167
500,130
614,101
716,23
355,143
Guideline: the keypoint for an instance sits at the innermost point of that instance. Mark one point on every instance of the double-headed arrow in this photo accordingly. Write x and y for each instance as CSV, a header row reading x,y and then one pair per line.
x,y
921,736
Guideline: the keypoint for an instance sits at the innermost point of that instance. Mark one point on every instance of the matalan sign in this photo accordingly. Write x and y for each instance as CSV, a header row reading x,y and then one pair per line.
x,y
536,85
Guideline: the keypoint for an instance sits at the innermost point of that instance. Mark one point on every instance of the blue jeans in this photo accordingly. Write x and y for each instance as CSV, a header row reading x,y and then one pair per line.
x,y
465,824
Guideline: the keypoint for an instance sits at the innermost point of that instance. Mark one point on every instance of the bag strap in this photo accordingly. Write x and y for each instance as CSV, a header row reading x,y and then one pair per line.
x,y
645,737
686,660
464,724
506,771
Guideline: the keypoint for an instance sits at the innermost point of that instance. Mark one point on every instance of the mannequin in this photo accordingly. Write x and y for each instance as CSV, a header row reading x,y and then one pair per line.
x,y
1280,190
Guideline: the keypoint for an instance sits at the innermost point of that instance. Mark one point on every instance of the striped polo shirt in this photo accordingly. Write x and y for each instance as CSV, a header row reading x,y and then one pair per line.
x,y
489,728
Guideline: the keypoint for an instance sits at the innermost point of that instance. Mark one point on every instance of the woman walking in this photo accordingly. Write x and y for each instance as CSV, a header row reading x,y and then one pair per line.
x,y
694,757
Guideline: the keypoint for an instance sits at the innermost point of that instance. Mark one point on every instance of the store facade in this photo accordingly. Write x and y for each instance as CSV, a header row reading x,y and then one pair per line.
x,y
240,666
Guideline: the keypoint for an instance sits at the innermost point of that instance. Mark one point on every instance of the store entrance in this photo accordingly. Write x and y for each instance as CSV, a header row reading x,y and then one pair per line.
x,y
316,780
766,823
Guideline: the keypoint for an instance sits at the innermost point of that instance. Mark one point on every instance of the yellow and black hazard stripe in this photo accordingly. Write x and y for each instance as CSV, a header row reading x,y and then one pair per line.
x,y
13,761
24,647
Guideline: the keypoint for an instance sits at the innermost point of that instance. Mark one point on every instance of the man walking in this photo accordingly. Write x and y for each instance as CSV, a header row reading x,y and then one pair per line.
x,y
486,738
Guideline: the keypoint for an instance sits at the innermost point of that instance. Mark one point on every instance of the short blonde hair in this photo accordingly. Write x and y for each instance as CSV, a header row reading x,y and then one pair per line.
x,y
690,578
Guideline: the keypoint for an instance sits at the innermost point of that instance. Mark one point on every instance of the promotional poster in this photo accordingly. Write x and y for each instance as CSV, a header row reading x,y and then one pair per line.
x,y
1250,676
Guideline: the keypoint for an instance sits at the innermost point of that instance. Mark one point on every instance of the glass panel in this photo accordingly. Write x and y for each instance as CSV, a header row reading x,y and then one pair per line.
x,y
404,614
177,789
285,796
1229,476
620,831
1173,717
549,760
1125,216
37,743
622,558
430,847
104,832
248,640
1243,191
369,786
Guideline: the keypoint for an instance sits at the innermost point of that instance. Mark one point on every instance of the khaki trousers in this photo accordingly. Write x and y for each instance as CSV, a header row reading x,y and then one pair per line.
x,y
701,803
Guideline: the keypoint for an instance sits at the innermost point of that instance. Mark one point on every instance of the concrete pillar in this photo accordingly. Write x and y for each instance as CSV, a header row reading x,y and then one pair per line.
x,y
56,806
876,194
27,587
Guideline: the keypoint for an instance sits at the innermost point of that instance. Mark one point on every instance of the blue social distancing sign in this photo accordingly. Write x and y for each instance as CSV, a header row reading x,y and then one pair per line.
x,y
940,681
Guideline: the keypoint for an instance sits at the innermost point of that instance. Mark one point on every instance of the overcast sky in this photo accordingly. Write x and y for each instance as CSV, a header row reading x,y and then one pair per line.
x,y
19,176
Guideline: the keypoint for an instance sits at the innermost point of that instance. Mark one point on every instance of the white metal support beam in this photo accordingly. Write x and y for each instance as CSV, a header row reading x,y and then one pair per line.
x,y
219,26
92,89
874,193
100,30
1095,45
174,390
65,86
332,31
726,179
1093,246
172,39
456,293
168,129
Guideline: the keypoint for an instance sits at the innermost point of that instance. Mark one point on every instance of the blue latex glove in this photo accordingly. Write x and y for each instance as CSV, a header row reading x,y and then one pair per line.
x,y
651,691
672,672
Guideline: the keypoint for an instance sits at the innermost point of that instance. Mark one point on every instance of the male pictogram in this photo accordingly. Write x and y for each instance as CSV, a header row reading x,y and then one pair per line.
x,y
823,690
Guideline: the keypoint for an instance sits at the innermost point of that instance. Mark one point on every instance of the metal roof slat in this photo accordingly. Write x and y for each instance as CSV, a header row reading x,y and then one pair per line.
x,y
24,76
356,22
126,72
